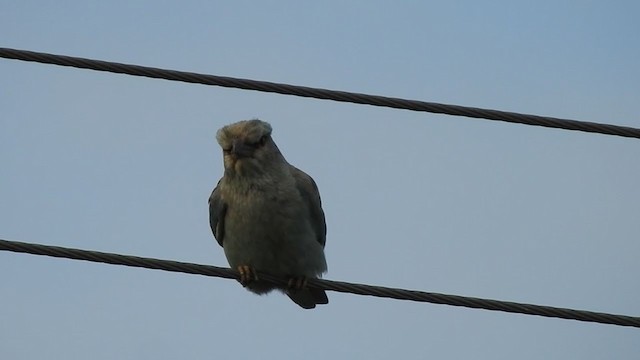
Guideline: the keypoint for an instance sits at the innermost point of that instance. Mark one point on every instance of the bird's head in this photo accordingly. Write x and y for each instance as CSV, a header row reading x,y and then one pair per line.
x,y
248,148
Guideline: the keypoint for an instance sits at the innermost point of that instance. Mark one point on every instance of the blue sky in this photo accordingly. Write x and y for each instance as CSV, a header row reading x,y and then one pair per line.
x,y
413,200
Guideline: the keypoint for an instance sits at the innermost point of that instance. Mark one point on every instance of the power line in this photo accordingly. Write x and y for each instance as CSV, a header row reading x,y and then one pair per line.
x,y
318,93
359,289
326,94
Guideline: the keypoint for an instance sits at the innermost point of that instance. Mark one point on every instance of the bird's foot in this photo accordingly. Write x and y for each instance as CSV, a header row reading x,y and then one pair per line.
x,y
297,283
247,274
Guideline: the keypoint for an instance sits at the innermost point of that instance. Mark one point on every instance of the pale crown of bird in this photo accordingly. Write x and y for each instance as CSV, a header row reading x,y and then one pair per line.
x,y
249,140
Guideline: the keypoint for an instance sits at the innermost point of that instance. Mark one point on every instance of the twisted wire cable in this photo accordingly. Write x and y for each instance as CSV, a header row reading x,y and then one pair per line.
x,y
325,94
344,287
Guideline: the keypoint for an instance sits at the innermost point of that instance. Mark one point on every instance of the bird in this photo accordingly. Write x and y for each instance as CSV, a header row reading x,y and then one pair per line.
x,y
267,215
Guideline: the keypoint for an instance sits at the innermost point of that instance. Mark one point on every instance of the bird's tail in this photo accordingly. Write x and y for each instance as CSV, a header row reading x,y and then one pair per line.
x,y
308,298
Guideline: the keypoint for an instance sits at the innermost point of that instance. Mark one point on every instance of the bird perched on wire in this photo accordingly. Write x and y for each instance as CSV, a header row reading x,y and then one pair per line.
x,y
267,214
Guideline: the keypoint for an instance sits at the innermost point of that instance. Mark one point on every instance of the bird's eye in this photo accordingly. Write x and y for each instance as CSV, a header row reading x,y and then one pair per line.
x,y
259,143
226,150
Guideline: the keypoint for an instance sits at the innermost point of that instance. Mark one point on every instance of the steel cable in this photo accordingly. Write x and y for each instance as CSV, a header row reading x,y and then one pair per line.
x,y
317,93
359,289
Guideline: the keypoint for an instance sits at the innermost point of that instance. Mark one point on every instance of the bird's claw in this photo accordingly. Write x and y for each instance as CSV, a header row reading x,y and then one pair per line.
x,y
247,274
297,283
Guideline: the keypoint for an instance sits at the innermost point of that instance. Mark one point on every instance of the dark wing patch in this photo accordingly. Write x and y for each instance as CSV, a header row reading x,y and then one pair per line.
x,y
311,196
217,211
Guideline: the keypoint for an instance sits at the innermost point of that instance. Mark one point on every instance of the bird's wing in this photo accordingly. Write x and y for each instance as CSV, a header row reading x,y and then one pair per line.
x,y
217,211
311,196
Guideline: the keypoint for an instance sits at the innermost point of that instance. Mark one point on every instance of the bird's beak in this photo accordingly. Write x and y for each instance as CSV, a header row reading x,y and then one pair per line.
x,y
240,149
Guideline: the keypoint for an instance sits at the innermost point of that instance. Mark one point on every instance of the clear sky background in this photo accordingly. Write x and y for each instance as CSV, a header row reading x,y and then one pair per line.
x,y
125,164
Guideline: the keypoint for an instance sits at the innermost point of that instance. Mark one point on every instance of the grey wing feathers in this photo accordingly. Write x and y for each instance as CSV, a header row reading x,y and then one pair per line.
x,y
310,194
217,211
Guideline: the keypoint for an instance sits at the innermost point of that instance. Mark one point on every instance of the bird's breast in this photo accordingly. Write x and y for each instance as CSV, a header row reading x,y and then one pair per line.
x,y
270,230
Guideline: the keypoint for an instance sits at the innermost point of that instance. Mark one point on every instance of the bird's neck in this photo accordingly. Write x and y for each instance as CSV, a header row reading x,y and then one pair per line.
x,y
246,183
